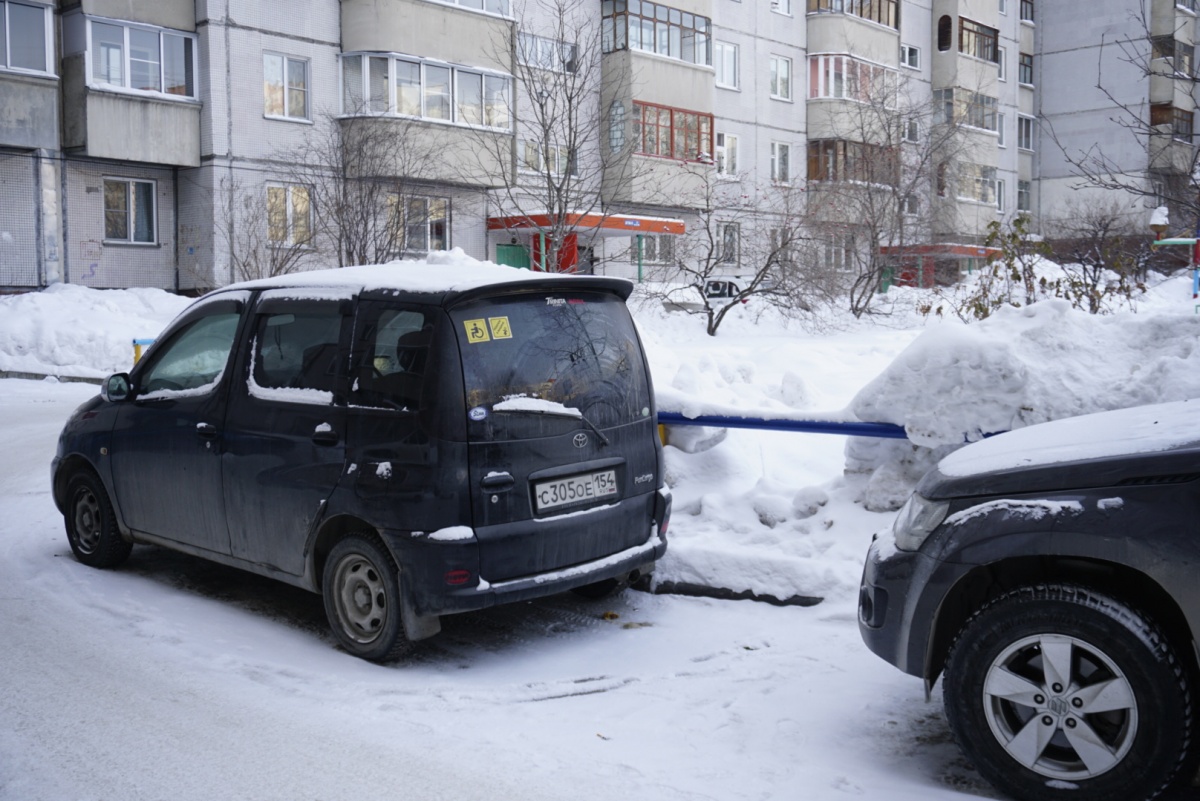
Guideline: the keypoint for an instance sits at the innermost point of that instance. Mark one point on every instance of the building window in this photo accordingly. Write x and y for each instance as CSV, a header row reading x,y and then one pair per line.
x,y
839,253
911,130
616,127
1190,5
1024,195
1001,55
966,107
781,78
977,183
848,78
885,12
1027,10
978,40
559,160
725,59
841,160
910,57
781,158
727,154
424,221
1025,133
142,59
1003,6
729,243
1025,69
289,214
1000,131
782,7
655,28
782,245
945,28
910,205
25,37
285,86
1177,120
492,6
544,53
1175,52
671,132
129,211
1000,195
378,85
656,249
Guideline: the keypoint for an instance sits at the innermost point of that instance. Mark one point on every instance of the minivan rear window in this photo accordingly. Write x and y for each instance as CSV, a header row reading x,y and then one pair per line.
x,y
550,358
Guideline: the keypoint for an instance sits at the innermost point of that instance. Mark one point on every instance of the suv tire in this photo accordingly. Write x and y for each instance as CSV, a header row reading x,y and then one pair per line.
x,y
1106,716
361,590
91,524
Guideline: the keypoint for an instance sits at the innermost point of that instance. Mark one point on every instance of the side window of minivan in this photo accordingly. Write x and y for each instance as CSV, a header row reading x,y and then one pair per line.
x,y
297,350
194,360
392,350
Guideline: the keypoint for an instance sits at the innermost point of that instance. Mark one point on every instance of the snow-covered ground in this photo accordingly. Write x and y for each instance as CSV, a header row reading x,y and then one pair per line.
x,y
173,678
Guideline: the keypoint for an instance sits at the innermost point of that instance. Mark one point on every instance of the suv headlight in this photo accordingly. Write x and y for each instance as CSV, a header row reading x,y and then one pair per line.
x,y
917,520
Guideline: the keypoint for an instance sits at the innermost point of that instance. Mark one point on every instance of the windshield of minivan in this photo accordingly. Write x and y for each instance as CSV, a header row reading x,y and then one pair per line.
x,y
555,356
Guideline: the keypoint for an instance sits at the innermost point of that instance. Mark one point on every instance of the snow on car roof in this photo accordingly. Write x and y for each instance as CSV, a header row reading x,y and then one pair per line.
x,y
449,271
1140,429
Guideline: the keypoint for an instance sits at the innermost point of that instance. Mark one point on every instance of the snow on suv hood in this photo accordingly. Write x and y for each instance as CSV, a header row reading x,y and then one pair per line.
x,y
1141,429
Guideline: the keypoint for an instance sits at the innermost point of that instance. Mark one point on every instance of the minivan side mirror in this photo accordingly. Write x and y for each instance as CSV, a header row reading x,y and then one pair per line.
x,y
115,388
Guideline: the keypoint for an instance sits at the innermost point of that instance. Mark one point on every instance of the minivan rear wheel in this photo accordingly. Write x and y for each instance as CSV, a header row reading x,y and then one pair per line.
x,y
361,589
91,523
1058,692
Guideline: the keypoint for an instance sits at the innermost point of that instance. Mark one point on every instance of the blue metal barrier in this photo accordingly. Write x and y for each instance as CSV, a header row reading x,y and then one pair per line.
x,y
848,429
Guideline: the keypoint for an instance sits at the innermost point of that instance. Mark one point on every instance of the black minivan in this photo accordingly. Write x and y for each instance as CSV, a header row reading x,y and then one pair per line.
x,y
409,440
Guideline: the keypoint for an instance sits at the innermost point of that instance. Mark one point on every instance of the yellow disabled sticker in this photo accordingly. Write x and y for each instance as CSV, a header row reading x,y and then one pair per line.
x,y
500,329
476,331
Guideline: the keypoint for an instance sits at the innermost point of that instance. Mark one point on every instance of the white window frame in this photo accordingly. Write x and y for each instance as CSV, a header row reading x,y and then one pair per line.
x,y
1025,133
1027,191
289,239
47,38
909,54
131,211
910,131
1001,56
499,8
285,61
564,163
778,63
428,221
488,77
723,254
782,7
781,163
1000,121
656,249
127,59
1000,194
726,145
723,66
552,55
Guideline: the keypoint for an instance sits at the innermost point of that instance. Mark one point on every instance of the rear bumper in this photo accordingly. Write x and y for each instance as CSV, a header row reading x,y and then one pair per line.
x,y
427,566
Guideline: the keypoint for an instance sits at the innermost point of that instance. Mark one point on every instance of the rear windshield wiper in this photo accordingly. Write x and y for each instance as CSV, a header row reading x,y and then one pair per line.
x,y
523,405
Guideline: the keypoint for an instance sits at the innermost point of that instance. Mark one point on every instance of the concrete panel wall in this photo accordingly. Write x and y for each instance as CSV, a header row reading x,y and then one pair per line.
x,y
429,30
18,221
28,112
177,14
121,126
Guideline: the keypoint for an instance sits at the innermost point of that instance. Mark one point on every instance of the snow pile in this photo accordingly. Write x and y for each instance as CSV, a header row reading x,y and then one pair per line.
x,y
957,383
69,330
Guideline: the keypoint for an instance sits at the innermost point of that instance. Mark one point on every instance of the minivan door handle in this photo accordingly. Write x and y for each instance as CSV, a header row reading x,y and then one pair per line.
x,y
498,482
206,430
324,435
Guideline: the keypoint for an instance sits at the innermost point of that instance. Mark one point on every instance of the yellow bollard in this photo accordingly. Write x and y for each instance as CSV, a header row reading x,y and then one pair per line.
x,y
138,345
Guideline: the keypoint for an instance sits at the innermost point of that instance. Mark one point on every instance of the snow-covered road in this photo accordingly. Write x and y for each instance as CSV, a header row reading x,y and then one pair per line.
x,y
174,679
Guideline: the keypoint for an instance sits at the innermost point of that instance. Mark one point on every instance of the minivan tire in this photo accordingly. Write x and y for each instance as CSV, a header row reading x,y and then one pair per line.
x,y
361,590
91,523
1023,718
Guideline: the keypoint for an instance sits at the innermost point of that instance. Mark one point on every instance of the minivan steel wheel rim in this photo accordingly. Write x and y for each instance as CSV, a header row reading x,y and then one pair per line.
x,y
1060,706
88,520
360,598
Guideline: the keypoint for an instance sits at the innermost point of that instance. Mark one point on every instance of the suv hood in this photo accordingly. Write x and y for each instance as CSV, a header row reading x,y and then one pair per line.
x,y
1126,446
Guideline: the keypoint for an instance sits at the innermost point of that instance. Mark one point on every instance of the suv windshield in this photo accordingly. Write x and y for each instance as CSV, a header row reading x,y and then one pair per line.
x,y
554,356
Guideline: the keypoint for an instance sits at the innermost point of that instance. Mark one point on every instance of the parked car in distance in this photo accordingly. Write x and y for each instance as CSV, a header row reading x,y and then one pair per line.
x,y
1049,575
408,440
721,290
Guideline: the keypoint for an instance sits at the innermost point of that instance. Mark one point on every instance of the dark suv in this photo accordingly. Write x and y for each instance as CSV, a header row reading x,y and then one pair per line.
x,y
1051,574
409,441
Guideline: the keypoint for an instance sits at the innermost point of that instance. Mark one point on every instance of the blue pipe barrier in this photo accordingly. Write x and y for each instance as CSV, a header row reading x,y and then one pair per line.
x,y
847,429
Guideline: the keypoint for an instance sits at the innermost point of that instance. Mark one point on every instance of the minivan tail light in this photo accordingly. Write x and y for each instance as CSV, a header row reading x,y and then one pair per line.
x,y
457,577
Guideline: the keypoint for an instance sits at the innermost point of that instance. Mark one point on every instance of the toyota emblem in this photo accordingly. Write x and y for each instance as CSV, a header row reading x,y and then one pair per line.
x,y
580,440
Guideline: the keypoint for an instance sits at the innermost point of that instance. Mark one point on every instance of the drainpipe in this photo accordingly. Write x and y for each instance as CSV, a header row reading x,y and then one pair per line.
x,y
639,248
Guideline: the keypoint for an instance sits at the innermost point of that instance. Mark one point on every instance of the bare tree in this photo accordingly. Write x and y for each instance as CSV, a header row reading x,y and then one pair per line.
x,y
557,162
364,174
879,180
1102,255
261,238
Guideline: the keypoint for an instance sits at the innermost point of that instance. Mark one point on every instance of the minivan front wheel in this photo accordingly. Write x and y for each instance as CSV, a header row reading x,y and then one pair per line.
x,y
361,589
1058,692
91,523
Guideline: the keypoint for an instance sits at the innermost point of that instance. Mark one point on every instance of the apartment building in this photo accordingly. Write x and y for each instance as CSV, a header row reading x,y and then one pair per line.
x,y
158,144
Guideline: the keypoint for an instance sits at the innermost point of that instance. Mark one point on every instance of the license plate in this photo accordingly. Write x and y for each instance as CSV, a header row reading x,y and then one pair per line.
x,y
574,489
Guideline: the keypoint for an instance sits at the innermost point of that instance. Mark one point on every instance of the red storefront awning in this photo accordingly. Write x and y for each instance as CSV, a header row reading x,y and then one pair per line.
x,y
600,224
